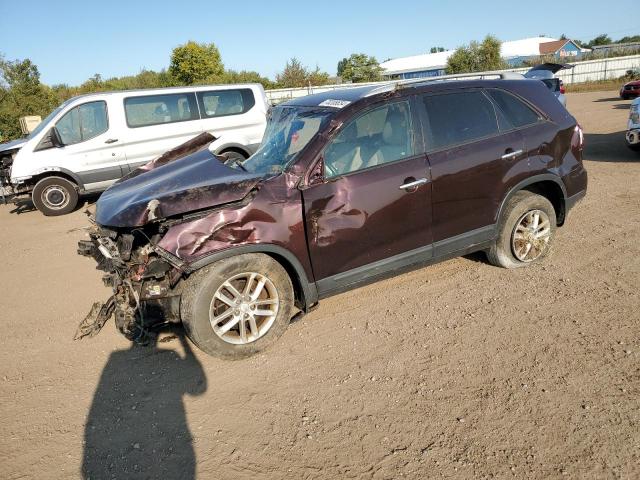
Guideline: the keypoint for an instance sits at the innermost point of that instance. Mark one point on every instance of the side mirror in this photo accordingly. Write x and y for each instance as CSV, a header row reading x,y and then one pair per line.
x,y
50,140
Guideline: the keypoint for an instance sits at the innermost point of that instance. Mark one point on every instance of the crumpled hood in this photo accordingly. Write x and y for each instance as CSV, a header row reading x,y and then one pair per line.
x,y
18,143
190,183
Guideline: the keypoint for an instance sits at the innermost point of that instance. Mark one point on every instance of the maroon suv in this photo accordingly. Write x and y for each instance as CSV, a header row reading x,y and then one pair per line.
x,y
348,187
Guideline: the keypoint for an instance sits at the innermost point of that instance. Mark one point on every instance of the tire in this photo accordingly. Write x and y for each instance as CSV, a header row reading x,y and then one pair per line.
x,y
199,304
518,221
234,154
55,196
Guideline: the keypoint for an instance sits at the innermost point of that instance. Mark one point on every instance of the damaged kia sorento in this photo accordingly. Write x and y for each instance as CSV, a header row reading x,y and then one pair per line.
x,y
348,187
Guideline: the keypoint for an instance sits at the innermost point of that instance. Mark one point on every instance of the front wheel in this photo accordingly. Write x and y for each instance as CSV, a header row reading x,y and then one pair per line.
x,y
55,196
238,306
527,228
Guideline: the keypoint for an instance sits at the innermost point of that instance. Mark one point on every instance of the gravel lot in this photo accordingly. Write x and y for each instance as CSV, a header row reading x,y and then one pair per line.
x,y
458,370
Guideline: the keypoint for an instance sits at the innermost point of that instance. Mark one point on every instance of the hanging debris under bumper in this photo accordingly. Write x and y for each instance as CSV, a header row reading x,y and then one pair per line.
x,y
143,282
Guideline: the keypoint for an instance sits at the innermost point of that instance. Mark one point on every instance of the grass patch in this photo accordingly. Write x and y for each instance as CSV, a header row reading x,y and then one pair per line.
x,y
603,85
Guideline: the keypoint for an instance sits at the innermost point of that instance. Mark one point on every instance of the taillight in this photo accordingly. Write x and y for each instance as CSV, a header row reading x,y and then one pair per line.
x,y
562,89
577,141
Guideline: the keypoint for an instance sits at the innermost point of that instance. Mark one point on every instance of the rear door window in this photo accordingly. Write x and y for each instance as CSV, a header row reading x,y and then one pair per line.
x,y
222,103
456,118
159,109
83,122
516,111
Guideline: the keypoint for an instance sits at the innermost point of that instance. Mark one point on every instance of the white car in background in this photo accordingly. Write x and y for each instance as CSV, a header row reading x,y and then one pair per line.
x,y
633,126
90,141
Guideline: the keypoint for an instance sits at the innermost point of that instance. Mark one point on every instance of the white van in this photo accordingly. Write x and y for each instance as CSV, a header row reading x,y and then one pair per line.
x,y
90,141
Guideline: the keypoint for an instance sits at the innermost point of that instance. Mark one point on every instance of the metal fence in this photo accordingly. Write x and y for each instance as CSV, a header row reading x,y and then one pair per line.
x,y
589,71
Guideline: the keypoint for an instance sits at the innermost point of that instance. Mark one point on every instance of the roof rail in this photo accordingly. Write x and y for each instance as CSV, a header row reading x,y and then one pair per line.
x,y
400,84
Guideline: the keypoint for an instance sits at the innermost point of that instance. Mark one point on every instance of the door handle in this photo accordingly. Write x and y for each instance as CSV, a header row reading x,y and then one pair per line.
x,y
413,184
111,140
511,155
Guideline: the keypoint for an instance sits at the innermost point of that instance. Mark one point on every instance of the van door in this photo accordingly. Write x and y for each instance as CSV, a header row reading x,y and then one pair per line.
x,y
91,149
157,123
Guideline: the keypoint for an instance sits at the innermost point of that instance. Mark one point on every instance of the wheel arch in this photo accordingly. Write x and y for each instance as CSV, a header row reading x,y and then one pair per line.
x,y
234,147
58,172
547,185
306,294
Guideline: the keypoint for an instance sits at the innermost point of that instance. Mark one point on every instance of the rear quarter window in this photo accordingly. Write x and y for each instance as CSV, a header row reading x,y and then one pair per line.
x,y
515,110
221,103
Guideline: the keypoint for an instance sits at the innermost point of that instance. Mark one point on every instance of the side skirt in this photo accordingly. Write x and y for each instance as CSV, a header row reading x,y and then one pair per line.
x,y
469,242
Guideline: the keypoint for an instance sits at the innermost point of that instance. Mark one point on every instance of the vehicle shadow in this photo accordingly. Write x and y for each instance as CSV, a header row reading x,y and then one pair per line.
x,y
608,147
25,205
609,99
137,425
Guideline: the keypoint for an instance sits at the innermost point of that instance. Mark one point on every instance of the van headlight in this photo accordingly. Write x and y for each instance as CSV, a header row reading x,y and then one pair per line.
x,y
634,115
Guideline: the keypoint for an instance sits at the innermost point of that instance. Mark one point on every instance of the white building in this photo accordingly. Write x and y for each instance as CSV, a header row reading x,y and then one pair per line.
x,y
433,64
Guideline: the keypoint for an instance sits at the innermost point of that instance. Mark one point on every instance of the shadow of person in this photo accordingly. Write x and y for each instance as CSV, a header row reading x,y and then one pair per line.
x,y
137,425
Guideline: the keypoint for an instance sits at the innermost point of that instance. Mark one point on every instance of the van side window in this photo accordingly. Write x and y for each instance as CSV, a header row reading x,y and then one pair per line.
x,y
379,136
83,122
456,118
516,111
225,102
158,109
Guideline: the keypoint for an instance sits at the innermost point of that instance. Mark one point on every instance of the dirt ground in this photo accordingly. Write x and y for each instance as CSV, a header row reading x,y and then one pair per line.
x,y
458,370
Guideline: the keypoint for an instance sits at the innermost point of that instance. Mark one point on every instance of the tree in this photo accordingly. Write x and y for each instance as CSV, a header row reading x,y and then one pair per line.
x,y
295,74
477,57
436,49
195,63
21,94
359,68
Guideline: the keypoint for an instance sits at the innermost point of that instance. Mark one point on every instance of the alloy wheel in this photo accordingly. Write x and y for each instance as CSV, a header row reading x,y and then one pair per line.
x,y
531,236
244,308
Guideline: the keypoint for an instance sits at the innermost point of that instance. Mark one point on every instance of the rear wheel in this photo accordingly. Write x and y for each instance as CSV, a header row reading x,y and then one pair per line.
x,y
527,228
238,306
55,196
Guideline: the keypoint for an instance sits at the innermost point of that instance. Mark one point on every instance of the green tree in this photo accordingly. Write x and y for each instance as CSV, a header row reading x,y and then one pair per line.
x,y
359,68
21,94
436,49
477,57
317,77
295,74
195,63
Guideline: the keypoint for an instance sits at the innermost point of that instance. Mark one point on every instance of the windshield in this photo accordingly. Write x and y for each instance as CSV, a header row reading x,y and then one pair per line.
x,y
288,131
48,119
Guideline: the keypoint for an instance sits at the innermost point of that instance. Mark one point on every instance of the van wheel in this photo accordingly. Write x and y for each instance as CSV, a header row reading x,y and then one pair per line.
x,y
55,196
238,306
527,228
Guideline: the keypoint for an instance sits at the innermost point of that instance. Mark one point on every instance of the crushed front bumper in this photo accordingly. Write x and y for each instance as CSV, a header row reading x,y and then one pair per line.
x,y
143,283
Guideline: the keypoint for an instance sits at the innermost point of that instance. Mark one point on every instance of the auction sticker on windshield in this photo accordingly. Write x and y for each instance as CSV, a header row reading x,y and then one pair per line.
x,y
334,103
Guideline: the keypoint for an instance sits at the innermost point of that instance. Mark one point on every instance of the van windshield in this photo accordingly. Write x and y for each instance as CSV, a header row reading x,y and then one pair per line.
x,y
48,119
289,130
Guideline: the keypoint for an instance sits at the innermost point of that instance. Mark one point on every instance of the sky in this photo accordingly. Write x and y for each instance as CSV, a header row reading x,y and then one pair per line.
x,y
72,40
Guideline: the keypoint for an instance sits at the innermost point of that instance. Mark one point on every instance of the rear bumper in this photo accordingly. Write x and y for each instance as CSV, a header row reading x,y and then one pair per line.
x,y
573,200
